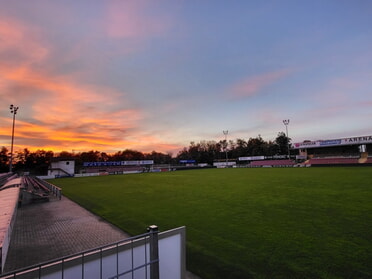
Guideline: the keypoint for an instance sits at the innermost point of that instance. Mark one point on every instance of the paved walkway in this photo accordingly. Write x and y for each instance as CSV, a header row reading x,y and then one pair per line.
x,y
46,231
55,229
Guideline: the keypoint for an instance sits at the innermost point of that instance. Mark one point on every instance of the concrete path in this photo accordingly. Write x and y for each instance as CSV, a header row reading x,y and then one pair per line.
x,y
55,229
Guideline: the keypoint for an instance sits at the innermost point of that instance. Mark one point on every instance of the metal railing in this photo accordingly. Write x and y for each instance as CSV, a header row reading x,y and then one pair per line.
x,y
82,264
57,191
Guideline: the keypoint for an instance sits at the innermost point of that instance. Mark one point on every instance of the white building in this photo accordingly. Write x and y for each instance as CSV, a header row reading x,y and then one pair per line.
x,y
60,167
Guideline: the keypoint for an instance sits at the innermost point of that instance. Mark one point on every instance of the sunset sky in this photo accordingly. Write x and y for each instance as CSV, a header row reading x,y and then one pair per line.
x,y
156,75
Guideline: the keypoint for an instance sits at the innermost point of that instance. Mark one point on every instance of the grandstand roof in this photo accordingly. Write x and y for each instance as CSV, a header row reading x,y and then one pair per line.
x,y
333,142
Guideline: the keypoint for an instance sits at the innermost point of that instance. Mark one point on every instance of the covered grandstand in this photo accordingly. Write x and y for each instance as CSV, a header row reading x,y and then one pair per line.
x,y
117,167
343,151
354,151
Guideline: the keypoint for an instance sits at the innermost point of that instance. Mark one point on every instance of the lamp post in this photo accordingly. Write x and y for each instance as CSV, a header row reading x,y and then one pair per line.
x,y
13,110
225,133
286,123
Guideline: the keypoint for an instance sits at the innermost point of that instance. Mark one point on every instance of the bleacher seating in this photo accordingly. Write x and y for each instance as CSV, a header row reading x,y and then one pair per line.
x,y
35,191
273,163
333,161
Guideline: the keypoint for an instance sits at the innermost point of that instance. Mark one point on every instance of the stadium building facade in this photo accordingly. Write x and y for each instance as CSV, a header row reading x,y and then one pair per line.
x,y
354,147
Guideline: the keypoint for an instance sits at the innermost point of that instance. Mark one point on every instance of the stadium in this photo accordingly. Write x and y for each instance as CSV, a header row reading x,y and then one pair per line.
x,y
352,151
266,217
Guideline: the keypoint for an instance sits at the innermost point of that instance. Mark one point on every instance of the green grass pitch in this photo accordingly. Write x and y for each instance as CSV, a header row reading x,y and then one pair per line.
x,y
247,223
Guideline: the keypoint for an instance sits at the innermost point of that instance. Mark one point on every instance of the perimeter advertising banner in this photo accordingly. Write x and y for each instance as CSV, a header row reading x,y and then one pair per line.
x,y
118,163
187,161
252,158
333,142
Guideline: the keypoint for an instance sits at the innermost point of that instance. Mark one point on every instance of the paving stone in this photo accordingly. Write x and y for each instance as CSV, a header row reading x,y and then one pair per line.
x,y
55,229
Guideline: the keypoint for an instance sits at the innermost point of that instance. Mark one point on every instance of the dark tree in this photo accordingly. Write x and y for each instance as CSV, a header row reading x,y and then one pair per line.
x,y
128,155
240,149
4,160
66,155
256,146
159,158
91,156
202,152
283,142
37,163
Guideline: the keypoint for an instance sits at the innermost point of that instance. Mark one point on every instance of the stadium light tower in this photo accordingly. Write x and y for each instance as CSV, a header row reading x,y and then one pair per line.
x,y
13,110
286,123
225,133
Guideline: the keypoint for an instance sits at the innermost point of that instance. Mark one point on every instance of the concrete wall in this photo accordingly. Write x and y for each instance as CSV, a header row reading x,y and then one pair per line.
x,y
67,166
8,211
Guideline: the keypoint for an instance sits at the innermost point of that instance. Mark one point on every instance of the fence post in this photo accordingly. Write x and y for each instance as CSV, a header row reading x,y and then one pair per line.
x,y
154,251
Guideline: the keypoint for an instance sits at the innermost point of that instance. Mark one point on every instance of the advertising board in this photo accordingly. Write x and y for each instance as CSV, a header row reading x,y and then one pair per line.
x,y
333,142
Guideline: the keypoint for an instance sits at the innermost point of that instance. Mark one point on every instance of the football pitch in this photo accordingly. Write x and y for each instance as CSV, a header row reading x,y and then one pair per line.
x,y
247,223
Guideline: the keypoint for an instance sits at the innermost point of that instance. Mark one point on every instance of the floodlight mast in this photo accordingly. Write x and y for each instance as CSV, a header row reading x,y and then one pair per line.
x,y
13,110
286,123
225,133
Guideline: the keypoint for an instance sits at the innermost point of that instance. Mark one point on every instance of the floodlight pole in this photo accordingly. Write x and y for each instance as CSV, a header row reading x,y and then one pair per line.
x,y
286,123
225,133
13,110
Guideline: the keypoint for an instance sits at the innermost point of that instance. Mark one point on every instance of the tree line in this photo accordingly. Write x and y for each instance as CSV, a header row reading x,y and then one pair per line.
x,y
37,162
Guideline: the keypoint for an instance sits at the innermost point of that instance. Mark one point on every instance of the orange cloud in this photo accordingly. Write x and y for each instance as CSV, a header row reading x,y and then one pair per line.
x,y
33,137
67,115
253,85
58,112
